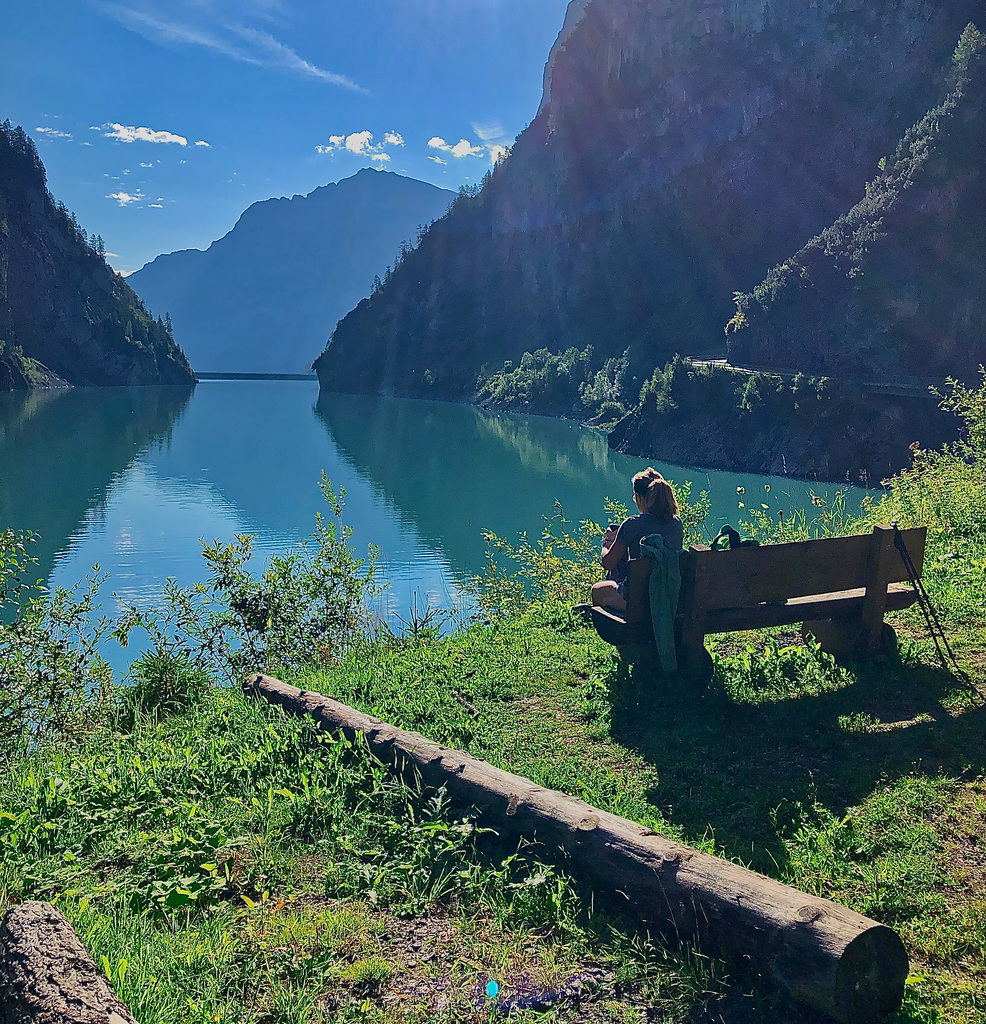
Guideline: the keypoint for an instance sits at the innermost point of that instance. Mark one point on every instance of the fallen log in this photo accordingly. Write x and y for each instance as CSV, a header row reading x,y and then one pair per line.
x,y
823,954
46,974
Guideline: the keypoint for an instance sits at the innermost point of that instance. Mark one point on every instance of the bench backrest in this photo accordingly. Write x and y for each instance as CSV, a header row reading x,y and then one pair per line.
x,y
743,577
777,572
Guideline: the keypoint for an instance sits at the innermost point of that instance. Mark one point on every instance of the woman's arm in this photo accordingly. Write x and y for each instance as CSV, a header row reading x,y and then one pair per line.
x,y
614,551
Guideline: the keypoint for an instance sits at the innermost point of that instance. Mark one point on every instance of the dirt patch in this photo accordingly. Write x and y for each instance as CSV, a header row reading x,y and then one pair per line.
x,y
963,826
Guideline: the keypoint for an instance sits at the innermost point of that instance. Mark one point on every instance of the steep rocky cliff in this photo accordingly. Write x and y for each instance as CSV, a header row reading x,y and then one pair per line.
x,y
897,286
685,148
64,314
265,296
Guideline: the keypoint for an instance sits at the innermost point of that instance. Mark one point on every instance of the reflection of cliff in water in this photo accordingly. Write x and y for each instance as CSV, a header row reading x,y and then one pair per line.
x,y
60,451
455,470
544,446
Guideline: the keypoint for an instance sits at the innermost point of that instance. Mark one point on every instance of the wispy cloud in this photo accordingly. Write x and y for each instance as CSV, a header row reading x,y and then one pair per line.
x,y
127,198
438,160
202,142
223,28
53,133
130,133
361,144
460,149
490,132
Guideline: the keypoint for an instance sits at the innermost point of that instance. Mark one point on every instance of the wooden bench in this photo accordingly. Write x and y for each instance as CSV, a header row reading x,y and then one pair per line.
x,y
840,589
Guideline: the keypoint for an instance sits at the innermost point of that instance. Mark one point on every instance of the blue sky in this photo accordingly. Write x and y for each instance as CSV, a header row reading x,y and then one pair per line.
x,y
160,121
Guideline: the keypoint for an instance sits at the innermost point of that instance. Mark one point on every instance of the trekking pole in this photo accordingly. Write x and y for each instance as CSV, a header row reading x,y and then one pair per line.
x,y
944,650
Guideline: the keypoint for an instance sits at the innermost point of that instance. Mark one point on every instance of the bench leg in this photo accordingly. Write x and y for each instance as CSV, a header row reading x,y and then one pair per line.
x,y
848,638
694,662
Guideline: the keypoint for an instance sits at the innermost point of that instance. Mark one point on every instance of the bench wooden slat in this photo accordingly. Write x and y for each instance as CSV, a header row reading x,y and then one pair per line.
x,y
844,605
614,628
749,576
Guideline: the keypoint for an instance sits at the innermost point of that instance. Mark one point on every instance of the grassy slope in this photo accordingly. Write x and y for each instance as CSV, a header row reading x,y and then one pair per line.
x,y
229,866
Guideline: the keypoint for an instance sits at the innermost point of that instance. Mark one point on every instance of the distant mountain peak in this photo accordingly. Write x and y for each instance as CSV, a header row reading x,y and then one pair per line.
x,y
264,297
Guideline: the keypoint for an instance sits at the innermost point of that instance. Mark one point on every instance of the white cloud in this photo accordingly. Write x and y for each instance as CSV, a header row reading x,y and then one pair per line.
x,y
220,26
129,133
462,148
361,144
126,198
112,255
492,132
358,142
156,206
497,153
438,160
202,142
53,133
142,164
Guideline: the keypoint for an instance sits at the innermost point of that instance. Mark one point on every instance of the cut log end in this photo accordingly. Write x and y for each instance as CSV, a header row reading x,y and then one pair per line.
x,y
871,976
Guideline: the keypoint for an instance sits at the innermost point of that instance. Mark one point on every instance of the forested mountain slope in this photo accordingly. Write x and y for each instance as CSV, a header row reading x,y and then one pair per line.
x,y
265,296
897,286
685,148
64,314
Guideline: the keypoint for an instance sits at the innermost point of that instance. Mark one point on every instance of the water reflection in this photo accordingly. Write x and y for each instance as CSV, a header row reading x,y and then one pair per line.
x,y
454,470
62,450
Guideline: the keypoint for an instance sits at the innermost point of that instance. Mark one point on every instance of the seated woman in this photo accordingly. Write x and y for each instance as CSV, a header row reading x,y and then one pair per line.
x,y
658,514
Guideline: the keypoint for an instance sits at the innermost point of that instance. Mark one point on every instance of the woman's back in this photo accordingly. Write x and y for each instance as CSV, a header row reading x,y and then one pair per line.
x,y
642,525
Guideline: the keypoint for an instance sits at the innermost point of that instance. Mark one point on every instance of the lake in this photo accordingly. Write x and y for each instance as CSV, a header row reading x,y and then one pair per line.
x,y
132,479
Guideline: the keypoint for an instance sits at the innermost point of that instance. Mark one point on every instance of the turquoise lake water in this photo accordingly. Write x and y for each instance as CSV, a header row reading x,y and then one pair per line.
x,y
134,478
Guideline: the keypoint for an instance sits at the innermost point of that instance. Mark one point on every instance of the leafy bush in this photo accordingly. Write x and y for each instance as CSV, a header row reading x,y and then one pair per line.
x,y
165,682
563,563
544,380
946,490
49,666
305,608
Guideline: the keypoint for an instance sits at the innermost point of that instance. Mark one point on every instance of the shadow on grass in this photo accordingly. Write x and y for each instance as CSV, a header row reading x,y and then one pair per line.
x,y
747,772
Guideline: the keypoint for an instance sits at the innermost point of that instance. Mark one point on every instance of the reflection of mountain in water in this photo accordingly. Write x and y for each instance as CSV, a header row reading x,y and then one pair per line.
x,y
61,450
454,470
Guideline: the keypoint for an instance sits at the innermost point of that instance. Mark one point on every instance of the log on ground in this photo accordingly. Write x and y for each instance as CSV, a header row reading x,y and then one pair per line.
x,y
825,955
47,976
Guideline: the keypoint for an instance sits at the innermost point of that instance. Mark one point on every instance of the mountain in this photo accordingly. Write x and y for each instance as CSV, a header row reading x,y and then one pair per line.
x,y
897,286
265,296
681,150
65,316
